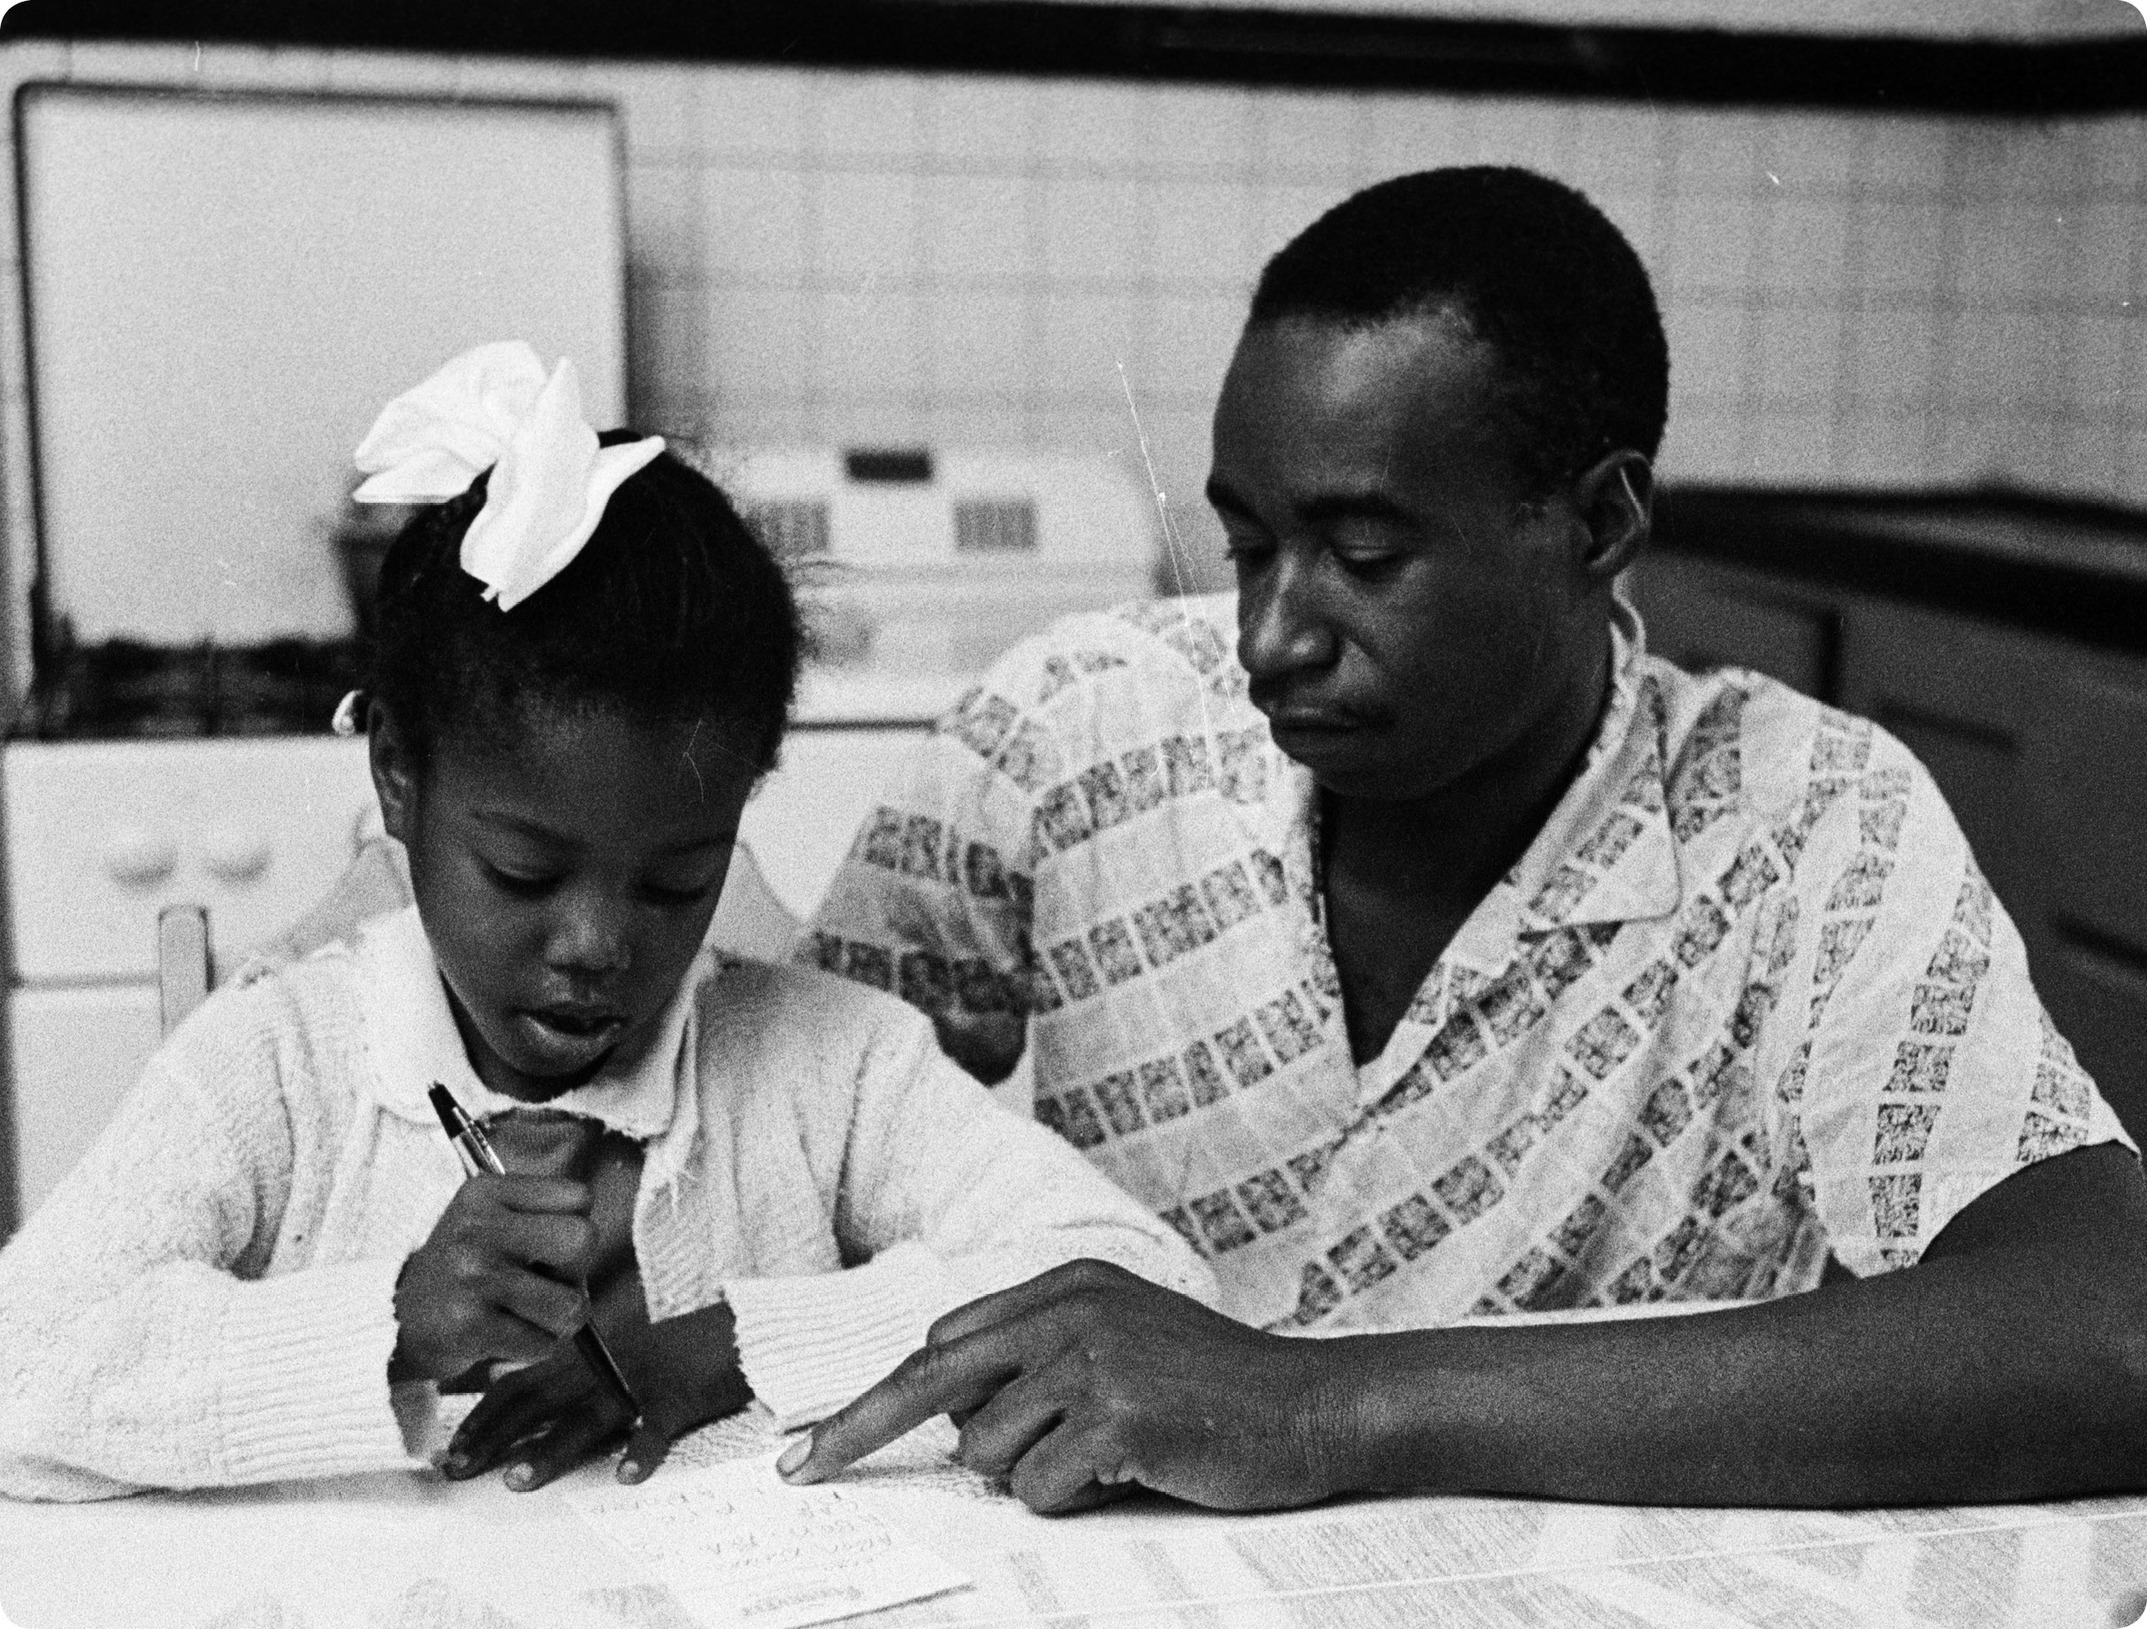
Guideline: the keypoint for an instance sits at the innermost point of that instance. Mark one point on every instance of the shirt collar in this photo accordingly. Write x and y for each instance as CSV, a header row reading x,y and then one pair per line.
x,y
411,1034
1607,853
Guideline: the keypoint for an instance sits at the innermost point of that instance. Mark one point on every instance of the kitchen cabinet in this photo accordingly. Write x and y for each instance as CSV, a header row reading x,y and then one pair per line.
x,y
2039,743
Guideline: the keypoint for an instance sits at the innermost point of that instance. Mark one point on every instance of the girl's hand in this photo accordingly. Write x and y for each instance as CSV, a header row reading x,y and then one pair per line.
x,y
545,1420
497,1280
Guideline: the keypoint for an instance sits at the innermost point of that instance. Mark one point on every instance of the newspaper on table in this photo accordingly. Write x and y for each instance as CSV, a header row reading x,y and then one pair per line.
x,y
410,1551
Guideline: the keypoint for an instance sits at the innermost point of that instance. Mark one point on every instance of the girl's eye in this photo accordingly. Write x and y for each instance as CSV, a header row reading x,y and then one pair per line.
x,y
526,884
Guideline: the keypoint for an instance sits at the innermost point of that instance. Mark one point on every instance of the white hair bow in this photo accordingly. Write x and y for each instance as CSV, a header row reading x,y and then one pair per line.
x,y
493,408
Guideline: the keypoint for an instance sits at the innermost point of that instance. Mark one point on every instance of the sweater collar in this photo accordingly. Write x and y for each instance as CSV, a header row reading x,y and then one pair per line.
x,y
411,1033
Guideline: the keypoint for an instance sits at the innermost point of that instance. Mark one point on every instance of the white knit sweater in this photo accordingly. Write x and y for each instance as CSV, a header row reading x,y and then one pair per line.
x,y
208,1298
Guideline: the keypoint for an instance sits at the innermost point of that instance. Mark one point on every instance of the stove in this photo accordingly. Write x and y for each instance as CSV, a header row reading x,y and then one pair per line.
x,y
126,690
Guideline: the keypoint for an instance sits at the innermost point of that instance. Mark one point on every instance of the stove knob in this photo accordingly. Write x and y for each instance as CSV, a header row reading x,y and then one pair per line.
x,y
139,856
236,856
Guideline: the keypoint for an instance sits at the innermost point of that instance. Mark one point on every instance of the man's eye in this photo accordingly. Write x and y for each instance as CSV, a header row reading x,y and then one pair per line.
x,y
1368,564
676,896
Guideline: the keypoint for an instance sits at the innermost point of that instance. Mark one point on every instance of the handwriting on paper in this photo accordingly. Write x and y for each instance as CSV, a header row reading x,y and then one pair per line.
x,y
742,1551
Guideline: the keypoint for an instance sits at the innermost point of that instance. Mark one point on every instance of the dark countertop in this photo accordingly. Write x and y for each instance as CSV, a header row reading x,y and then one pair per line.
x,y
2059,566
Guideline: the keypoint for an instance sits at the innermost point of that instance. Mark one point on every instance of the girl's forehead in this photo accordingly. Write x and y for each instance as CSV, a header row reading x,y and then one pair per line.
x,y
609,769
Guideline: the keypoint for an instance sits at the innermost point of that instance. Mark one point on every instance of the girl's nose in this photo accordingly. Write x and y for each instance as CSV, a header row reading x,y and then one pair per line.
x,y
589,936
1280,629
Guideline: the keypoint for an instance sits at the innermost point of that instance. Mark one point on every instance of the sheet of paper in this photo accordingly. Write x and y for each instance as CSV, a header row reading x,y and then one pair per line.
x,y
739,1548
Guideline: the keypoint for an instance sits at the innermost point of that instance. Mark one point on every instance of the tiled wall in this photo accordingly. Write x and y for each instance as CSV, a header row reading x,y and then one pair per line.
x,y
1038,263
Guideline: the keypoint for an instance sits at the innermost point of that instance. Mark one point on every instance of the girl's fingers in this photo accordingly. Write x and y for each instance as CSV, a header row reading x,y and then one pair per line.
x,y
646,1449
509,1412
569,1442
555,1309
560,1243
534,1195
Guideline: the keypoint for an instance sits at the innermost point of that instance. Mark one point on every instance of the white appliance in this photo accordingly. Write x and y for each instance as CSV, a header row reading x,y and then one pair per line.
x,y
922,566
221,291
917,568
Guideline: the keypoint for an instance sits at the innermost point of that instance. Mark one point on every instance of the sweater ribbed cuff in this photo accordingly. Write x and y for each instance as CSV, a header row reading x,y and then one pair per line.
x,y
305,1360
809,1345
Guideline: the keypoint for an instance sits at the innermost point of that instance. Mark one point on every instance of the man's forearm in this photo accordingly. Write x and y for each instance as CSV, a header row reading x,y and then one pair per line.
x,y
1997,1376
2011,1364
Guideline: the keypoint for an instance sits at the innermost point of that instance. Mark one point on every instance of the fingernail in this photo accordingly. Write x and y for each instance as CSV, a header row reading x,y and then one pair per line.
x,y
629,1470
457,1460
521,1476
795,1456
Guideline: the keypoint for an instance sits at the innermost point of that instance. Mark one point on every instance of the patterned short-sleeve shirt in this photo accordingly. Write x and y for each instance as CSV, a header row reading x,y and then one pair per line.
x,y
1745,1000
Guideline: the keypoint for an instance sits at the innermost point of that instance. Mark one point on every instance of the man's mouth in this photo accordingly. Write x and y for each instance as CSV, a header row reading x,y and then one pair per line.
x,y
1310,721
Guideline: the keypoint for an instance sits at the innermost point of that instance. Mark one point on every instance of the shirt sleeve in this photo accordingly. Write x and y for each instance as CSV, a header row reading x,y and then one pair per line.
x,y
1934,1072
952,1197
140,1345
935,900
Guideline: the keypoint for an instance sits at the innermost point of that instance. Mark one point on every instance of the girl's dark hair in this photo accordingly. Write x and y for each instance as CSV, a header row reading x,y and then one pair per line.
x,y
672,608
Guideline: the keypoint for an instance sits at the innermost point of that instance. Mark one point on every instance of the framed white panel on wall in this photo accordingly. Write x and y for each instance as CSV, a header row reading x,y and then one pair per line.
x,y
223,289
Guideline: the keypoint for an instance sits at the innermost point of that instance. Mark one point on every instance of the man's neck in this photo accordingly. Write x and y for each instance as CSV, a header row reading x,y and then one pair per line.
x,y
1454,844
1400,878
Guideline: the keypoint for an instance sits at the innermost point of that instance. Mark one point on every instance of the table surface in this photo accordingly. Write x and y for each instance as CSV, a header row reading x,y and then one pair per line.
x,y
412,1551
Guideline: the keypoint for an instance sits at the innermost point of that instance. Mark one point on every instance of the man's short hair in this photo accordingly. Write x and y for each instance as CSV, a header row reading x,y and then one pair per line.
x,y
1533,268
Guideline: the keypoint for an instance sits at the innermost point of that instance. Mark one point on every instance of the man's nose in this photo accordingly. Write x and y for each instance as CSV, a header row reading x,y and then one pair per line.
x,y
1280,626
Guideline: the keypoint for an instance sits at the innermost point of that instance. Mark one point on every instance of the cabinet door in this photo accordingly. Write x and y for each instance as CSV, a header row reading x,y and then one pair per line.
x,y
2091,785
2041,748
1968,698
72,1054
1701,615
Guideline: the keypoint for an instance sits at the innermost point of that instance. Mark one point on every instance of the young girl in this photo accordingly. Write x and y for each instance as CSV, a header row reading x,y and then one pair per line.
x,y
770,1181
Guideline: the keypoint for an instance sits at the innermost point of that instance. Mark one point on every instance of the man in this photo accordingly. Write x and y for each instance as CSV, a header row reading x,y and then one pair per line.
x,y
1445,954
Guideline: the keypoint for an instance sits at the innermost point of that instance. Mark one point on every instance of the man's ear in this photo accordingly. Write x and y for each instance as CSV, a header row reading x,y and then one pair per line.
x,y
395,770
1615,499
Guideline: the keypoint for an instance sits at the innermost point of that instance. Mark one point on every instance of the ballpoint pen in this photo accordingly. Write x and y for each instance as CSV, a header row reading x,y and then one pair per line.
x,y
477,1154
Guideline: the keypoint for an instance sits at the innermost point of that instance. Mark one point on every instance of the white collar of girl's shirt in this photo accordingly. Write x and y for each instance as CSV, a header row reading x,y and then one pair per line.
x,y
413,1040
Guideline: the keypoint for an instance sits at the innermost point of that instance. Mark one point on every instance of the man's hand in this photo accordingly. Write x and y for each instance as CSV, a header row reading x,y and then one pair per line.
x,y
496,1280
1087,1381
545,1420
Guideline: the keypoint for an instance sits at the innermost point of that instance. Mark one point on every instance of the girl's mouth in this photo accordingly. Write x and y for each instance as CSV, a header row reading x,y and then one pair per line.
x,y
570,1037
